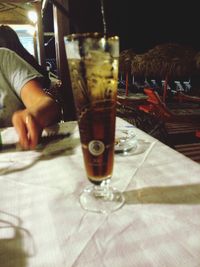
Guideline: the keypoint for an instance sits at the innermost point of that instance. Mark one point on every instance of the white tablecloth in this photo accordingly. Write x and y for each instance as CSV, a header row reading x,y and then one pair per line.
x,y
43,225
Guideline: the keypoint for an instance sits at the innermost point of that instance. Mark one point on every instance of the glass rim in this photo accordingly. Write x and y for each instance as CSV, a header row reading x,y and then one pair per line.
x,y
97,35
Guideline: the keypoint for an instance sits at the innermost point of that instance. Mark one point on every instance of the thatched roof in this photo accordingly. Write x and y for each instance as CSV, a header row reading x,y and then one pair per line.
x,y
15,12
125,60
172,61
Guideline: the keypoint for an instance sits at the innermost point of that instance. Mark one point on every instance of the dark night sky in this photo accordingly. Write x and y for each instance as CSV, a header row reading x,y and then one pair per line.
x,y
140,24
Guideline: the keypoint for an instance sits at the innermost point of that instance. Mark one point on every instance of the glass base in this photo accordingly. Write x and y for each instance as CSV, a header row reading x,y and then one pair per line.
x,y
101,199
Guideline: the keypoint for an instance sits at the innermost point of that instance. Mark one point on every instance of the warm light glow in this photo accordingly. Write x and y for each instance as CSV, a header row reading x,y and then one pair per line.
x,y
32,15
31,30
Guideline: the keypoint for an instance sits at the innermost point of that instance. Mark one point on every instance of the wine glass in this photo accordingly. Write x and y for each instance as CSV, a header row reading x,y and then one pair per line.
x,y
93,67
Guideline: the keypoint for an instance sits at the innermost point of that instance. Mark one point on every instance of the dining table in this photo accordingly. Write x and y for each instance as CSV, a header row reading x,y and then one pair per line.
x,y
42,223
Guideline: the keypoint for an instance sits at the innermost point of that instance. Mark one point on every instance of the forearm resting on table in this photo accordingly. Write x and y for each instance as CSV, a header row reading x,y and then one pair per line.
x,y
41,106
41,110
45,111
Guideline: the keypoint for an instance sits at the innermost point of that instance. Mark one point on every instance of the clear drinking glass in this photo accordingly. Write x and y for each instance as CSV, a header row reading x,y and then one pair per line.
x,y
93,66
125,141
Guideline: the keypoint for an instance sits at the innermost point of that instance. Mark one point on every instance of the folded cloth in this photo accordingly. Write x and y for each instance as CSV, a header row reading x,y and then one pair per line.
x,y
9,136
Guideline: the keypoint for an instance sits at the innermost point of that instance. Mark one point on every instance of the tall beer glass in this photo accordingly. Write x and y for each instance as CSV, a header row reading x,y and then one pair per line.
x,y
93,66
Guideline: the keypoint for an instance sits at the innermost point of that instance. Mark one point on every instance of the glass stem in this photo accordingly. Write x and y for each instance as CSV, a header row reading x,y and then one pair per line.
x,y
103,190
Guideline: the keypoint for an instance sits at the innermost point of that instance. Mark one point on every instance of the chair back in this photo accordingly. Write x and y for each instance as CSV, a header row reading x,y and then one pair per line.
x,y
159,106
153,96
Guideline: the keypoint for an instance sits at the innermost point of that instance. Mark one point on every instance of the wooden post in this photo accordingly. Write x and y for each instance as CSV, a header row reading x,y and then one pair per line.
x,y
165,89
62,28
40,35
127,83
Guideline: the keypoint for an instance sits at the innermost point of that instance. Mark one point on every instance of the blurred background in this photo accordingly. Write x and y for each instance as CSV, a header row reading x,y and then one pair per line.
x,y
140,24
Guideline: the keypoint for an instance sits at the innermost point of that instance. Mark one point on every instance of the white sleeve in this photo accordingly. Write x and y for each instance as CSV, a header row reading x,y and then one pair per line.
x,y
17,71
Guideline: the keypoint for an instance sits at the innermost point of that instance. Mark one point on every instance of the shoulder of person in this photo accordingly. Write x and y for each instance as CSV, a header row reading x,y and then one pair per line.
x,y
9,54
4,50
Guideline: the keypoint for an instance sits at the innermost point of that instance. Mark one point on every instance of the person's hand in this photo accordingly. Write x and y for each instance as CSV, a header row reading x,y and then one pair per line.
x,y
28,129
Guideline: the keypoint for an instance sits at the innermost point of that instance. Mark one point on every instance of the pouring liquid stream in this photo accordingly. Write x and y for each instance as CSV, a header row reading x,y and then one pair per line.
x,y
103,18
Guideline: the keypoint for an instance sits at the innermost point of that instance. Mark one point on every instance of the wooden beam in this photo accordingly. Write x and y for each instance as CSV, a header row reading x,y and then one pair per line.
x,y
16,12
62,28
44,5
40,35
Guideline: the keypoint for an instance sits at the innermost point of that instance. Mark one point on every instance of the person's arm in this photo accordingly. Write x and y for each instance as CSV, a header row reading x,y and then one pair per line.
x,y
41,110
